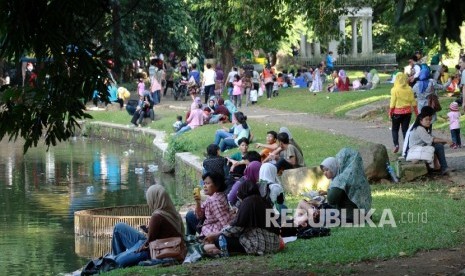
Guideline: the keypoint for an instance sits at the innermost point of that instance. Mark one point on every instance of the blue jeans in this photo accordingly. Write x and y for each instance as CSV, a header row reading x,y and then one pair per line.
x,y
227,143
455,134
183,129
126,240
191,222
221,134
440,154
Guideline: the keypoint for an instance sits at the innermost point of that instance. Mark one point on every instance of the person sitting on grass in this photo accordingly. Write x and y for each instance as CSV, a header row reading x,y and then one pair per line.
x,y
348,191
241,130
249,232
215,163
236,160
250,174
270,145
213,214
291,157
142,110
129,246
195,119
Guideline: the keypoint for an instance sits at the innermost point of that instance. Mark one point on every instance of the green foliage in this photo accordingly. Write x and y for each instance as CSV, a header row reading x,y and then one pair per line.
x,y
70,66
242,25
178,144
434,20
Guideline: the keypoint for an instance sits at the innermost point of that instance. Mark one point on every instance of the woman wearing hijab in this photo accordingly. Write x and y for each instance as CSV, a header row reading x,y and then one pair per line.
x,y
196,117
400,108
343,81
248,233
270,187
348,191
129,246
250,174
423,88
231,108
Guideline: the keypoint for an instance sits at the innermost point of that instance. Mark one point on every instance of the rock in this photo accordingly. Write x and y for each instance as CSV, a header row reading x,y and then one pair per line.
x,y
375,158
408,171
297,181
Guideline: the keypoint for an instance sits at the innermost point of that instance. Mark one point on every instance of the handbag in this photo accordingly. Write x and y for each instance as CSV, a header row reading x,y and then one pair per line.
x,y
168,248
425,153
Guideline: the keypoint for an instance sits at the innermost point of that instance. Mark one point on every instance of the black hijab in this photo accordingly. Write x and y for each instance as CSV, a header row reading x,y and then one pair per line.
x,y
252,210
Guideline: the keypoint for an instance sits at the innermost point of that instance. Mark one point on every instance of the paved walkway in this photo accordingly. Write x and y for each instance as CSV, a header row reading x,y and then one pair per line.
x,y
372,131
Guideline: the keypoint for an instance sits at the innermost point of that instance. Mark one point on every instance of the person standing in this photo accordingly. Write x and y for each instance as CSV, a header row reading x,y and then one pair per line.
x,y
329,62
209,78
229,82
267,76
400,108
219,81
169,77
454,125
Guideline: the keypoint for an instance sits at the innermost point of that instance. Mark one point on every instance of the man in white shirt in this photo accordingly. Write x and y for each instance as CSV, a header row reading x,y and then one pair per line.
x,y
209,77
229,80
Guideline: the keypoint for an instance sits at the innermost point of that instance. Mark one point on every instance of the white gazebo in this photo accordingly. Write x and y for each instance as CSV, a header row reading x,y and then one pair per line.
x,y
355,15
365,16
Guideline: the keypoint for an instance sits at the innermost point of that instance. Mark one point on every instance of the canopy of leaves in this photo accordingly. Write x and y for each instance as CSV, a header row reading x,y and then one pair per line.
x,y
242,25
70,66
433,17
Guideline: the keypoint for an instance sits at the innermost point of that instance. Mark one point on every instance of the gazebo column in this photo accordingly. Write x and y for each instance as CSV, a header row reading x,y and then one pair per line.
x,y
316,49
303,46
364,35
370,34
354,37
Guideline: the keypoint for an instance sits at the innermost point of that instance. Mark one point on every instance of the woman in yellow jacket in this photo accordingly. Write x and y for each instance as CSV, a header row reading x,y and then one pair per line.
x,y
400,108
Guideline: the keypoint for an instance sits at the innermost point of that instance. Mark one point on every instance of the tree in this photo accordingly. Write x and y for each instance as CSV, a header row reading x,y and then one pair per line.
x,y
144,26
71,66
438,19
240,26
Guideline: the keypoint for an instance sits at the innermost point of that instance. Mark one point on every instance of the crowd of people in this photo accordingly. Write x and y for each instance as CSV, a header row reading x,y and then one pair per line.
x,y
240,189
416,91
232,215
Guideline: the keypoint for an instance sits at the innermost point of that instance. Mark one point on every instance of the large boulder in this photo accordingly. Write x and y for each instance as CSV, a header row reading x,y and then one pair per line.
x,y
375,158
297,181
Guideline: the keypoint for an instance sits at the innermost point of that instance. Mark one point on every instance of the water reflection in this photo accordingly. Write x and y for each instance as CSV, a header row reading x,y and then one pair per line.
x,y
40,191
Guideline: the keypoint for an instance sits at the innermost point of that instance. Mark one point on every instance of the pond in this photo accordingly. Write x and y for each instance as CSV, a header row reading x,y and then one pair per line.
x,y
40,191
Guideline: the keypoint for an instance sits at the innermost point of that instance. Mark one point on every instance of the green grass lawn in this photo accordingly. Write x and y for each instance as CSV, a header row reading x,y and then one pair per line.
x,y
427,216
313,143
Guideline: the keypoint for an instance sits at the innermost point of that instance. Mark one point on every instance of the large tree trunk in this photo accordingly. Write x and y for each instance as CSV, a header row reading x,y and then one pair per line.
x,y
227,59
117,38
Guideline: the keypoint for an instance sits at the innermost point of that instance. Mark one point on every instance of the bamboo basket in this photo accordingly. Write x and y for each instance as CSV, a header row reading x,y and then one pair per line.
x,y
99,222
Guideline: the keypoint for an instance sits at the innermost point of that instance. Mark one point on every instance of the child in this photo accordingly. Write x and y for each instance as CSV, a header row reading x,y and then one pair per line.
x,y
237,91
275,86
141,87
178,124
454,125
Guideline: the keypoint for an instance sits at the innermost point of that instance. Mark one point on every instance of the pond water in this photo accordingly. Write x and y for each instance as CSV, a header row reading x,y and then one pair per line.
x,y
40,191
